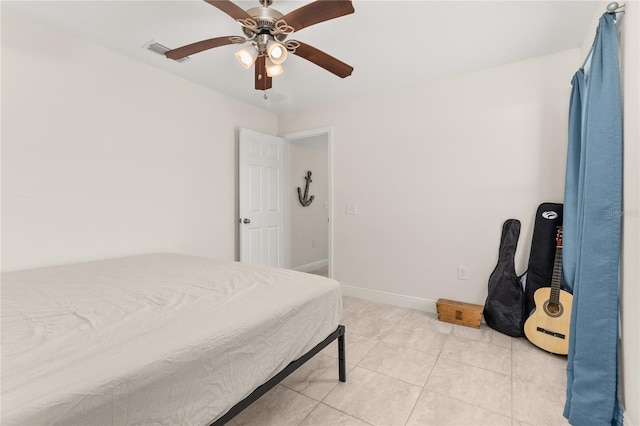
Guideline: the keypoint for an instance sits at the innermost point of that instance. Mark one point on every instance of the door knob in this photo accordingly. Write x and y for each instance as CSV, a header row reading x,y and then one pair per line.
x,y
245,221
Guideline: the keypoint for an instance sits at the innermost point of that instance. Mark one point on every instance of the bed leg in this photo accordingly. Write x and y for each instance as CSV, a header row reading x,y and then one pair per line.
x,y
342,363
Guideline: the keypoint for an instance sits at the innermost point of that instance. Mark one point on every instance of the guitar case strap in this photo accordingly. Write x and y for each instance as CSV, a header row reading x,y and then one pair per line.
x,y
504,307
543,251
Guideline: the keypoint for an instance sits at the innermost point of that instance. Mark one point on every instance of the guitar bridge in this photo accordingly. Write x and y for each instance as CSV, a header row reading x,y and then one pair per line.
x,y
551,333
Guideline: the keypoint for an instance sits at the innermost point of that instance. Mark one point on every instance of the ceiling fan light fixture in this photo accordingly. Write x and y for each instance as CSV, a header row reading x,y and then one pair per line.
x,y
266,30
277,52
247,56
273,70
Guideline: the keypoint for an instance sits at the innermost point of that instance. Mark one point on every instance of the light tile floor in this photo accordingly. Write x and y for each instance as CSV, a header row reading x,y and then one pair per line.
x,y
404,367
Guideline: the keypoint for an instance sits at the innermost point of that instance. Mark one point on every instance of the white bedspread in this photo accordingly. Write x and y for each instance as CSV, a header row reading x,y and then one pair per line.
x,y
154,339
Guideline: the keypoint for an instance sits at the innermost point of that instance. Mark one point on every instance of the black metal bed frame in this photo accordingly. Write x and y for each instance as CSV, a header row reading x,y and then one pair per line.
x,y
293,366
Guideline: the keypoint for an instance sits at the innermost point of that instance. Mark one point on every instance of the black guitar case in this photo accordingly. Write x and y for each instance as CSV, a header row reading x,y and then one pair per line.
x,y
543,251
505,304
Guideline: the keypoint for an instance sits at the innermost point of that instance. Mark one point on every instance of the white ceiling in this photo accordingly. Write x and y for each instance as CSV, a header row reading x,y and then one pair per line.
x,y
389,43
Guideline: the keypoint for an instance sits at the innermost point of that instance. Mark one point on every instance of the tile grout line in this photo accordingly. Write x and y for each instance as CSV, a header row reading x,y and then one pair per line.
x,y
376,345
343,412
451,333
309,413
357,311
424,387
391,377
440,356
450,396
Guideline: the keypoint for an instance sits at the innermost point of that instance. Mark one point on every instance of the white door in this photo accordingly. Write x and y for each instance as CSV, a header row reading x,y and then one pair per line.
x,y
262,171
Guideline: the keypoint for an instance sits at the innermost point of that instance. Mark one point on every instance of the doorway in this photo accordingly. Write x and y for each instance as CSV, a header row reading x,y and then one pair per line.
x,y
310,220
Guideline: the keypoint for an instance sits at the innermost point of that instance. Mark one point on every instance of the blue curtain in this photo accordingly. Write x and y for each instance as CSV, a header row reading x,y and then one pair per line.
x,y
591,231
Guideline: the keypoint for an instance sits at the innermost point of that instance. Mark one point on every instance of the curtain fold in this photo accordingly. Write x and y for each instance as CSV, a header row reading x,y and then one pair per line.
x,y
591,233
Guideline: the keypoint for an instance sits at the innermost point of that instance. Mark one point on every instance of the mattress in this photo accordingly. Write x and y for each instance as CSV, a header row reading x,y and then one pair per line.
x,y
153,339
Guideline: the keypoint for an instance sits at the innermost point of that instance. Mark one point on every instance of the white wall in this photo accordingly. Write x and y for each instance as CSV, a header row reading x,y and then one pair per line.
x,y
436,169
307,224
104,156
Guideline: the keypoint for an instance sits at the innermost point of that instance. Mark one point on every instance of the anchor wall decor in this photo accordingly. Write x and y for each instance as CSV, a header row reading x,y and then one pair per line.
x,y
306,200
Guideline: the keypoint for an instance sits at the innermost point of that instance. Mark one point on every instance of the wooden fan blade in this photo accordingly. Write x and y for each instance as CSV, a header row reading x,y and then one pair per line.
x,y
318,11
199,46
323,60
262,80
230,8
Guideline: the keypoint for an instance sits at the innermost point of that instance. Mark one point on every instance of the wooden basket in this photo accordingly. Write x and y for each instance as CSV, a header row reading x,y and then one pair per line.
x,y
462,313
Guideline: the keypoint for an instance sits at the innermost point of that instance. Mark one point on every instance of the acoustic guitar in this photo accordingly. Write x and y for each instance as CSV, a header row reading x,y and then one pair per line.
x,y
548,325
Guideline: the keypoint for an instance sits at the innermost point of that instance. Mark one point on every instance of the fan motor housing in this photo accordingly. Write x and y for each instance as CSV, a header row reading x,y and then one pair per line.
x,y
265,18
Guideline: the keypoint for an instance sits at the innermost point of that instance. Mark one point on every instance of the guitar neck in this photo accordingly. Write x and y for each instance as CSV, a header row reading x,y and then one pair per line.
x,y
556,279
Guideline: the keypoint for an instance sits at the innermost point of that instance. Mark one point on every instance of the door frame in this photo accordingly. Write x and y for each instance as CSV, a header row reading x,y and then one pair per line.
x,y
291,138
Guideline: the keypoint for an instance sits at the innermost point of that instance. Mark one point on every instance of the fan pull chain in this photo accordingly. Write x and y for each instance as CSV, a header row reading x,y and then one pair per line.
x,y
265,95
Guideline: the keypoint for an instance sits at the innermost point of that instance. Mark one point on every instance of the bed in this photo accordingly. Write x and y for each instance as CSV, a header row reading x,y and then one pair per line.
x,y
156,339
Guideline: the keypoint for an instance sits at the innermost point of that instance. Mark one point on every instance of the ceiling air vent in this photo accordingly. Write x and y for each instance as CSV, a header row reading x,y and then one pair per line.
x,y
160,49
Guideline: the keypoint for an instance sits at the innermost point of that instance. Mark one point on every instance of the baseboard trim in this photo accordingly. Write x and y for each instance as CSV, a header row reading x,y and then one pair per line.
x,y
411,302
309,267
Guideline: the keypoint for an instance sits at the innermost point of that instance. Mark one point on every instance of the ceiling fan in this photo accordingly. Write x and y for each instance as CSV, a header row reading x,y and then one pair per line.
x,y
267,29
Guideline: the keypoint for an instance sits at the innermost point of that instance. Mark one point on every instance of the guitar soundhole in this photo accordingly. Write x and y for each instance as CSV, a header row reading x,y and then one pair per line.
x,y
554,310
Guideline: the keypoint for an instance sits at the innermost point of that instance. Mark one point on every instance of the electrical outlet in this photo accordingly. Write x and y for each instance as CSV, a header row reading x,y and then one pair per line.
x,y
351,208
462,272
